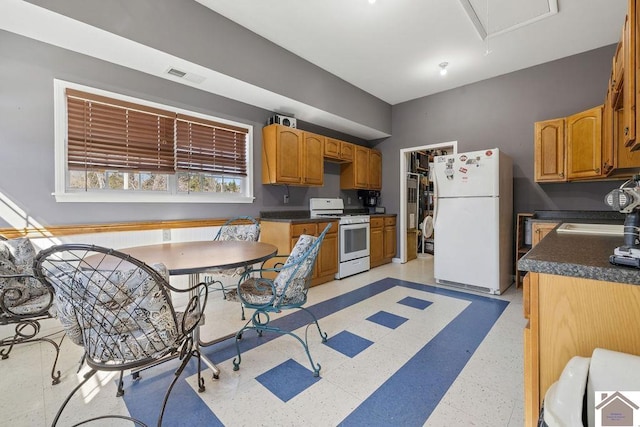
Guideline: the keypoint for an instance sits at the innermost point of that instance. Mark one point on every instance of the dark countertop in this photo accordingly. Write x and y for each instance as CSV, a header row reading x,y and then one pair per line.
x,y
579,216
584,256
297,220
302,216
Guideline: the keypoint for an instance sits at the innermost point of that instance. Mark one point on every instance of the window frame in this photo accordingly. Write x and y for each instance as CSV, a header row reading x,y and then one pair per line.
x,y
62,194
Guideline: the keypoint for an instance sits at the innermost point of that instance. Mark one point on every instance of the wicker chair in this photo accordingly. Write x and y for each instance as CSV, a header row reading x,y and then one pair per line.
x,y
24,301
288,290
120,310
239,228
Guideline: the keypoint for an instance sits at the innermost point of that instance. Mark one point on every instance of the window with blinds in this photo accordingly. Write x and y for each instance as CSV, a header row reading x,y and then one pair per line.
x,y
114,144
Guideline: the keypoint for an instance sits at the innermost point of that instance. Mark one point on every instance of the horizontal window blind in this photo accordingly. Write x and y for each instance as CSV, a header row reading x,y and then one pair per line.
x,y
105,133
210,147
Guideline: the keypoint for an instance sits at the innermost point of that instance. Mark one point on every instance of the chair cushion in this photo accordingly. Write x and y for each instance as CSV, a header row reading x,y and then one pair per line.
x,y
255,291
16,257
234,232
258,291
240,232
297,285
118,315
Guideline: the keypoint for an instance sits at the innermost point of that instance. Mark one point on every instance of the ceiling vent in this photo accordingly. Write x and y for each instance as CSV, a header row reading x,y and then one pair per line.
x,y
494,17
194,78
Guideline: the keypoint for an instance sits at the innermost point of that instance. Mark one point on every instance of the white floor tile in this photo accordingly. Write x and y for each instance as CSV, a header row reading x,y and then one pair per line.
x,y
492,379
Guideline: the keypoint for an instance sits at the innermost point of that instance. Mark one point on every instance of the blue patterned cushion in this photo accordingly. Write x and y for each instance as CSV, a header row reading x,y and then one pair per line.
x,y
118,315
290,285
297,283
16,257
247,232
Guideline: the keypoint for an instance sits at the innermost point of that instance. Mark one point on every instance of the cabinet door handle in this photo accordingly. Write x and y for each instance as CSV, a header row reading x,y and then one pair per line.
x,y
597,170
561,174
626,131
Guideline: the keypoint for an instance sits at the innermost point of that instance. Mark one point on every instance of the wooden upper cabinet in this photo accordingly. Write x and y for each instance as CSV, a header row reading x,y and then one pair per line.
x,y
338,151
355,175
629,78
626,161
291,156
281,155
618,66
375,170
569,148
361,162
313,170
549,151
584,144
332,148
346,151
608,147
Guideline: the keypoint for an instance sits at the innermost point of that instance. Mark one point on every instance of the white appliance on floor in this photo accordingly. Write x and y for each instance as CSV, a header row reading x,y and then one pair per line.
x,y
353,235
473,219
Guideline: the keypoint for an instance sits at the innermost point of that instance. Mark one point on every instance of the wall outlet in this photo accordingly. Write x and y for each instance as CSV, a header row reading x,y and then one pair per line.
x,y
166,235
286,199
348,200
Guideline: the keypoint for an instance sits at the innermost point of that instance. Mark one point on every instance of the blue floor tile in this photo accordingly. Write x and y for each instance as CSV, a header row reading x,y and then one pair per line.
x,y
389,320
287,380
415,302
406,398
348,344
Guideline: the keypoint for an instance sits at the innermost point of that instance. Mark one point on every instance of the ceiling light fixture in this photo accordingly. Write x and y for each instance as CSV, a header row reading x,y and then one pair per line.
x,y
372,1
443,68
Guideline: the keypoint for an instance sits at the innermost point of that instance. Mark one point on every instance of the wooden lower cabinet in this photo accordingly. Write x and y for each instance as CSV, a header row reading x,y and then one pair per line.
x,y
376,241
327,263
389,232
285,234
382,240
539,230
570,316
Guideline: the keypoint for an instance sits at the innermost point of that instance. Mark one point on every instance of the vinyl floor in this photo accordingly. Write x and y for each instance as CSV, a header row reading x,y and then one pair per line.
x,y
400,352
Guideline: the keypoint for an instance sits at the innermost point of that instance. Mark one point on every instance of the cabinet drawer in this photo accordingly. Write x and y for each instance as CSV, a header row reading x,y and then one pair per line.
x,y
332,230
376,222
298,229
391,220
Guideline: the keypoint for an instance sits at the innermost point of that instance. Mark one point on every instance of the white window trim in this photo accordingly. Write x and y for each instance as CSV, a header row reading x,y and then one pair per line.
x,y
60,127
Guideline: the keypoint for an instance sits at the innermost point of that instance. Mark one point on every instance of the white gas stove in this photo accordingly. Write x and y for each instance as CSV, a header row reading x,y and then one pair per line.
x,y
334,208
353,233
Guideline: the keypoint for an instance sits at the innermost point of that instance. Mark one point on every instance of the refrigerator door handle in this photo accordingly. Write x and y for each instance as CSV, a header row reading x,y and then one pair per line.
x,y
435,199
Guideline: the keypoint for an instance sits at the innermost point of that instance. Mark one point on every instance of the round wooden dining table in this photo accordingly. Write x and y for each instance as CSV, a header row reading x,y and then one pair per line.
x,y
196,257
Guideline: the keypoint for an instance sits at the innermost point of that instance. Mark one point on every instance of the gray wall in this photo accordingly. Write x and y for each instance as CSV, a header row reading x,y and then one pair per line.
x,y
500,112
27,138
191,31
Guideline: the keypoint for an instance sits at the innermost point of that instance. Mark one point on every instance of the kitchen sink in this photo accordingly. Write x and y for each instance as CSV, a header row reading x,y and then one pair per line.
x,y
595,229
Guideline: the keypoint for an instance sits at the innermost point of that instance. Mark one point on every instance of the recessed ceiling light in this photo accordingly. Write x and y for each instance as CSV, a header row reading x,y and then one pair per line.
x,y
443,68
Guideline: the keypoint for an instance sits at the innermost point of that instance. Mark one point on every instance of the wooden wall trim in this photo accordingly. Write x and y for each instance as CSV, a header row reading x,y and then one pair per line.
x,y
69,230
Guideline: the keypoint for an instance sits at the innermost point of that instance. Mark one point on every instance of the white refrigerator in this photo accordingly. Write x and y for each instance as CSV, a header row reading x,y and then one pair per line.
x,y
473,220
